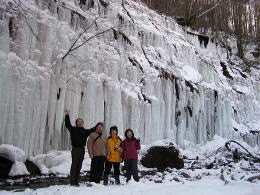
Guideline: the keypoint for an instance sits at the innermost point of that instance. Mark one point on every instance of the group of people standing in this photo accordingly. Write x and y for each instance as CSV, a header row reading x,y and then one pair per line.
x,y
105,152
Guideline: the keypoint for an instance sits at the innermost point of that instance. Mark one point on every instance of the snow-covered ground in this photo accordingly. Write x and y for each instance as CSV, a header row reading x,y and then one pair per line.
x,y
220,179
207,185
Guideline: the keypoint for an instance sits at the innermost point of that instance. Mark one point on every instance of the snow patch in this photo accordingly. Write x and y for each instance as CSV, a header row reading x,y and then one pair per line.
x,y
12,153
161,143
191,74
18,168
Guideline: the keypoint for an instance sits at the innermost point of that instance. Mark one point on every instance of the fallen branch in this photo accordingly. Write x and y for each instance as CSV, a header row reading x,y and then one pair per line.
x,y
232,141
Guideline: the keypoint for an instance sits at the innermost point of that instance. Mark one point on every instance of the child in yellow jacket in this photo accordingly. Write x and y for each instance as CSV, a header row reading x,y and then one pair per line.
x,y
113,155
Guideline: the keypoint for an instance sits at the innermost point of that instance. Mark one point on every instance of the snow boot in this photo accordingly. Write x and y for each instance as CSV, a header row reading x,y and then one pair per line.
x,y
117,179
105,180
128,179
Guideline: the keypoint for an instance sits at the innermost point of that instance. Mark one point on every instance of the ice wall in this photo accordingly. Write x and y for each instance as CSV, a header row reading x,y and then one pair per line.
x,y
149,74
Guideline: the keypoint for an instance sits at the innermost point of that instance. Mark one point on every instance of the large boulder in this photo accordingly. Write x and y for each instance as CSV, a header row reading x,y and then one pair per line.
x,y
32,168
161,155
5,167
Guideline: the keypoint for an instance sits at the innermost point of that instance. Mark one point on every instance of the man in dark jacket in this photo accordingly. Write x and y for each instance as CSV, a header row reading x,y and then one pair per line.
x,y
78,135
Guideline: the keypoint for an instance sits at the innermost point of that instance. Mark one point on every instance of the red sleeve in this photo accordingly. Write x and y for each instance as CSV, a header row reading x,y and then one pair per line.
x,y
123,145
137,145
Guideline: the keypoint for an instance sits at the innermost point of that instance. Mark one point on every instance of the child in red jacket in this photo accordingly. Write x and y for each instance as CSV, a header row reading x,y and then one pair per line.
x,y
130,146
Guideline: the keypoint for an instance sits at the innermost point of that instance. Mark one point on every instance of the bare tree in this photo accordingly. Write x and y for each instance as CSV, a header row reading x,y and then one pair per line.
x,y
234,17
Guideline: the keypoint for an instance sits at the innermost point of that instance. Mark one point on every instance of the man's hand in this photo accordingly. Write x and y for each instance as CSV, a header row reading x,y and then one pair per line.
x,y
66,111
91,157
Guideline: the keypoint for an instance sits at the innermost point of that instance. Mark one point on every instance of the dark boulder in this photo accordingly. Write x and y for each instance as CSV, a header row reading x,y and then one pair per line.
x,y
181,21
32,168
5,167
161,157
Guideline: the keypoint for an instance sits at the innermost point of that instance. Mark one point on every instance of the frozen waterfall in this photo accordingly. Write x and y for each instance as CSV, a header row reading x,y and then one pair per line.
x,y
150,75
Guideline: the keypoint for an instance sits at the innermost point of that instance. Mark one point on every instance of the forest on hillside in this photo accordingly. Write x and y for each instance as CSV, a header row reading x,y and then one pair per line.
x,y
240,18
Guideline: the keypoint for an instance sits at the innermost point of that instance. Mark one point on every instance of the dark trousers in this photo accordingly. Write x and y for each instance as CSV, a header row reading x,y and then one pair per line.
x,y
108,167
77,159
131,169
97,168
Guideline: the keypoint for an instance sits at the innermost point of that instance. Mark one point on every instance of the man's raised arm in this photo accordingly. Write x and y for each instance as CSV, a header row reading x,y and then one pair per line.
x,y
67,120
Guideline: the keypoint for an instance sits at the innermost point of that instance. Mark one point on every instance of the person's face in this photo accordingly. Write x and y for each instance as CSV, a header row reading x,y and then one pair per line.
x,y
80,123
129,134
113,132
100,128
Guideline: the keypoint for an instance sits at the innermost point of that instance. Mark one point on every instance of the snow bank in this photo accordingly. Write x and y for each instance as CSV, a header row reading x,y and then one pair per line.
x,y
208,149
58,162
43,169
204,149
55,162
12,153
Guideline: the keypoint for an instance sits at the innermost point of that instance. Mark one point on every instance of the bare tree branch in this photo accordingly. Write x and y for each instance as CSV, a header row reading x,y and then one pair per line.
x,y
37,37
74,43
205,12
99,33
84,42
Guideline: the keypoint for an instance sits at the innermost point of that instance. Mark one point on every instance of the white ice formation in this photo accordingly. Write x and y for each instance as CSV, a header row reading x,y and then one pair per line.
x,y
148,74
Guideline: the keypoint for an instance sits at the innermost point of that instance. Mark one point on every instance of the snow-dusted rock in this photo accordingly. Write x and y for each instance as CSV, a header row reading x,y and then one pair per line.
x,y
161,155
41,166
57,162
12,153
32,168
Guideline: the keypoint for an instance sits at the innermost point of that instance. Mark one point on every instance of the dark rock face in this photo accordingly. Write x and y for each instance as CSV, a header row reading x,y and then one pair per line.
x,y
32,168
5,167
161,157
